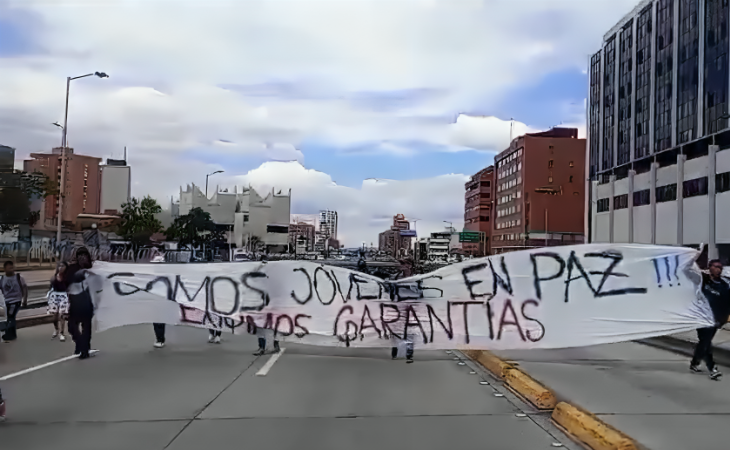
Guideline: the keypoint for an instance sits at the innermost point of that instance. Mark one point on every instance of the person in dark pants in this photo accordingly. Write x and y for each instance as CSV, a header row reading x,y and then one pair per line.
x,y
262,333
214,336
717,292
81,307
159,334
15,291
409,352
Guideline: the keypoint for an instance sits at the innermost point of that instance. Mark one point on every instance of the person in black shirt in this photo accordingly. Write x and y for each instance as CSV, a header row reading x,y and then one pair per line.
x,y
81,307
58,301
717,292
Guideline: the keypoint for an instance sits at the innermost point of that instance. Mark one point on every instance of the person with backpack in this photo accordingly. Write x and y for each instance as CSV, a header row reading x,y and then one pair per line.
x,y
15,291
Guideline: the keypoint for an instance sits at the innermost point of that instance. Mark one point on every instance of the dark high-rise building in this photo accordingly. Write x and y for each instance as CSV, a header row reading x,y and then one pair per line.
x,y
658,127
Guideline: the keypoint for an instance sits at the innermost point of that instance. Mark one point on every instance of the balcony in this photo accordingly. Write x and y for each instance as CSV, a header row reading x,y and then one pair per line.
x,y
478,190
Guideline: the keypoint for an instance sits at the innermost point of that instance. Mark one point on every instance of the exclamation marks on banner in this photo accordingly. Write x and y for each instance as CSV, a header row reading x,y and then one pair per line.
x,y
666,272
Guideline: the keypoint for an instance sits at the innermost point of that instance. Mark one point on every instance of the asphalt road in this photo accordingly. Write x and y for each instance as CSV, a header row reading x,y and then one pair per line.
x,y
193,395
646,392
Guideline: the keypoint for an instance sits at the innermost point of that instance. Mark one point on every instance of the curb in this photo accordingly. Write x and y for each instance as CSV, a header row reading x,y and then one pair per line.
x,y
580,425
590,430
524,385
492,363
25,322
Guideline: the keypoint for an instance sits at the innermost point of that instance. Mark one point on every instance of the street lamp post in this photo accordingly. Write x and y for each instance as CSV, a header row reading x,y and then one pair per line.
x,y
64,129
206,181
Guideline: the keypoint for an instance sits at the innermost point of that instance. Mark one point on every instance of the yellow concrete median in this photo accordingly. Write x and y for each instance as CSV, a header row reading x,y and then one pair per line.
x,y
529,389
590,430
581,425
491,362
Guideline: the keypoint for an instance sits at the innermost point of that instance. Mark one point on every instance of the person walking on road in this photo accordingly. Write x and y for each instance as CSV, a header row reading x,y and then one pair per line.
x,y
15,291
262,334
717,292
81,306
214,336
58,302
159,334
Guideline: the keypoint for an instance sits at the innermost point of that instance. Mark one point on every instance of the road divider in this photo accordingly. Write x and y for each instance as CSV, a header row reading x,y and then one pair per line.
x,y
580,425
526,387
590,430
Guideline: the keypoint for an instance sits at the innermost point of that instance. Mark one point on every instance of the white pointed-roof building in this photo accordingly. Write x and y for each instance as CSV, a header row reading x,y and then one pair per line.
x,y
248,216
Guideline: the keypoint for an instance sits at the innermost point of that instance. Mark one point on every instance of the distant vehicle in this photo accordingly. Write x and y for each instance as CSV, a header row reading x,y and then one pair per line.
x,y
158,259
241,257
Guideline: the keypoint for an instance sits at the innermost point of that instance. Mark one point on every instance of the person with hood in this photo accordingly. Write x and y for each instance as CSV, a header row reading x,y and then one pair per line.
x,y
81,306
717,292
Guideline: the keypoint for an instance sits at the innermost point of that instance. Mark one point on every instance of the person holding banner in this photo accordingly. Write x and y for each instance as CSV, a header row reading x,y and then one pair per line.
x,y
262,334
159,334
717,292
214,336
81,306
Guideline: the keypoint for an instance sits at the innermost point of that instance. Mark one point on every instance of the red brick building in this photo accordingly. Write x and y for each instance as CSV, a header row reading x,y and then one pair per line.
x,y
477,210
396,242
83,183
539,191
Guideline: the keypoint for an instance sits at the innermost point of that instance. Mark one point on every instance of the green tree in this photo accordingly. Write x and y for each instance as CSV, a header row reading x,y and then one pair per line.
x,y
32,185
194,229
139,222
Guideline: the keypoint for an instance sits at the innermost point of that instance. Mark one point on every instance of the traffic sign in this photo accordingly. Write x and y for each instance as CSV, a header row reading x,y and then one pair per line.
x,y
470,236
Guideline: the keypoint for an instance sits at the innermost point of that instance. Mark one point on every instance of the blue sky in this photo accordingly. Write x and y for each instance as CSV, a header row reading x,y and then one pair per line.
x,y
408,91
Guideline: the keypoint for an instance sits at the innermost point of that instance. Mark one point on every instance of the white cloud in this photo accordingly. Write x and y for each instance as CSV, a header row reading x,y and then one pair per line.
x,y
257,78
369,210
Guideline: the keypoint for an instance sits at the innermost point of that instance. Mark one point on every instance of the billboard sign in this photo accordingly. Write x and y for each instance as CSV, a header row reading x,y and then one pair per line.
x,y
408,233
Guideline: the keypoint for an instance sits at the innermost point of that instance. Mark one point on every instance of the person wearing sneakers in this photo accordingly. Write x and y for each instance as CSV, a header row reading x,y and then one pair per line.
x,y
58,302
159,334
15,291
262,334
717,292
214,336
81,305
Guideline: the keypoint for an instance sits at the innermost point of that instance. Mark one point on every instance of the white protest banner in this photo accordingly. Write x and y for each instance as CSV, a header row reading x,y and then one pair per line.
x,y
543,298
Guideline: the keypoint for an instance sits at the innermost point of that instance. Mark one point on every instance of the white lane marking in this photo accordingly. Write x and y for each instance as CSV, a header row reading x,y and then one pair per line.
x,y
264,370
42,366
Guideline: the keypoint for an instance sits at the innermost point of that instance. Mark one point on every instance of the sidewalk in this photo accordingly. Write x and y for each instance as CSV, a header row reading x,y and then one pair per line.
x,y
645,392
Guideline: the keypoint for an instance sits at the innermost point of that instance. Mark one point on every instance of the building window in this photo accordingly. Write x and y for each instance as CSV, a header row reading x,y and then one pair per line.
x,y
642,198
666,193
694,188
570,164
602,205
245,217
621,201
722,182
550,179
551,147
550,163
487,183
571,179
